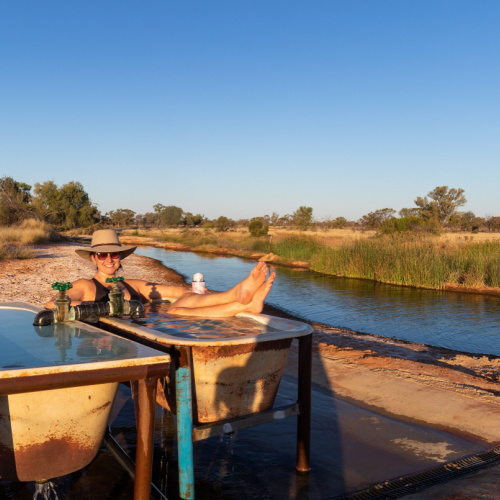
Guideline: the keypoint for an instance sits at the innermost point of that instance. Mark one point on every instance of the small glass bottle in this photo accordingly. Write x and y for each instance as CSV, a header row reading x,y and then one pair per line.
x,y
199,285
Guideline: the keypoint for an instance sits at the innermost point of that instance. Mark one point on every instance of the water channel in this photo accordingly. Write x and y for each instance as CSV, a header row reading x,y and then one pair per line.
x,y
459,321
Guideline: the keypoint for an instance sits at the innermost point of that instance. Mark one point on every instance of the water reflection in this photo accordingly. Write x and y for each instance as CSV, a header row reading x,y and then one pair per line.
x,y
465,322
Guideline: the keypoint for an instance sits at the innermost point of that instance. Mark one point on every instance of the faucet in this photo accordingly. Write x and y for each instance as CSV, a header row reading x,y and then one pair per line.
x,y
62,302
63,311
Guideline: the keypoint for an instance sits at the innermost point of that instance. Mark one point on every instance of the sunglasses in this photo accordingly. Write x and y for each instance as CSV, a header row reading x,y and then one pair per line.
x,y
104,255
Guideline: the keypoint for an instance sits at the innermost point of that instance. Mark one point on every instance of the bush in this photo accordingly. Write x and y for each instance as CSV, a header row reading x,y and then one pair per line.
x,y
401,225
257,228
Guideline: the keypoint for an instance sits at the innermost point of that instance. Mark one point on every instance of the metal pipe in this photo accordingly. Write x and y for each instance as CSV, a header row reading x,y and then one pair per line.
x,y
304,395
184,401
145,429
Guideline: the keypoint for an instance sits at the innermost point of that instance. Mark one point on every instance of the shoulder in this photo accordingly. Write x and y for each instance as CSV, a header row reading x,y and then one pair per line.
x,y
83,283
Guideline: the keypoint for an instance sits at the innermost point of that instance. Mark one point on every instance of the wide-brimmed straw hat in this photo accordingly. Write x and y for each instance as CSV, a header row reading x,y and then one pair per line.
x,y
105,240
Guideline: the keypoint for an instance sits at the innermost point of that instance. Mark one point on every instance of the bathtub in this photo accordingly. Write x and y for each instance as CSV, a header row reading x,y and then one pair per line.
x,y
57,386
237,363
226,376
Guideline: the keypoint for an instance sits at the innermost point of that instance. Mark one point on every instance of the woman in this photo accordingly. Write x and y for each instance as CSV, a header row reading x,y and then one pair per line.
x,y
106,252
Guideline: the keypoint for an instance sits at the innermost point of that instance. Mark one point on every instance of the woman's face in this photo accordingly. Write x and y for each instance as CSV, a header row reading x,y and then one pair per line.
x,y
108,266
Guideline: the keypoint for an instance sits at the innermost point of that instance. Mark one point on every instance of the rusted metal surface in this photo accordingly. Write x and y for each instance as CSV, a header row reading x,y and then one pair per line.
x,y
232,381
146,395
53,416
52,433
304,397
19,381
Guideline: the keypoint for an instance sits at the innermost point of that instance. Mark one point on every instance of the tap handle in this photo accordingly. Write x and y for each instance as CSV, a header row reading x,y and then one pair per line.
x,y
62,286
114,280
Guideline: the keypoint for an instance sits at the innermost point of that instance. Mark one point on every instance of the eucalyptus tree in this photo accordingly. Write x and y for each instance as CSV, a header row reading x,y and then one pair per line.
x,y
67,207
303,217
440,204
374,220
15,201
169,216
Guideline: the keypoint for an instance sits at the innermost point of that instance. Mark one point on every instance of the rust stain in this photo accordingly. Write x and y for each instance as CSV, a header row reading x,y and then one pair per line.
x,y
101,408
204,354
42,461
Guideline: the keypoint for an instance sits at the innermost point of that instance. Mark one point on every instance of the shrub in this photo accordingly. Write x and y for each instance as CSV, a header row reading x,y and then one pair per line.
x,y
257,228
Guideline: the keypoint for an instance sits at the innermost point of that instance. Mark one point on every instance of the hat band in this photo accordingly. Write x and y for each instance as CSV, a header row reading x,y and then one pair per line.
x,y
106,245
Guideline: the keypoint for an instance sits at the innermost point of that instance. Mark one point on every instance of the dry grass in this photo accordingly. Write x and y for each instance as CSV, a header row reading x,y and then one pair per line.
x,y
28,232
16,241
16,252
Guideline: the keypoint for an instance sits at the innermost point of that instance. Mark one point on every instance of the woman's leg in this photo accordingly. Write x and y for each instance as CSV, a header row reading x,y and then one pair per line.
x,y
229,309
243,292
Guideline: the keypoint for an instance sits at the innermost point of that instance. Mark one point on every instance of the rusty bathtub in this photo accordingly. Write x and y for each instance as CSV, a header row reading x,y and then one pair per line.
x,y
57,386
237,363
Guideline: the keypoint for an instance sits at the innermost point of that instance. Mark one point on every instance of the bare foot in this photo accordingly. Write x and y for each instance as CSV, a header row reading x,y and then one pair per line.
x,y
249,286
260,295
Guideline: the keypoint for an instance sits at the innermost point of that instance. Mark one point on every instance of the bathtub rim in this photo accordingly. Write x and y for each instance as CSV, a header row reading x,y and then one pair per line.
x,y
160,358
289,329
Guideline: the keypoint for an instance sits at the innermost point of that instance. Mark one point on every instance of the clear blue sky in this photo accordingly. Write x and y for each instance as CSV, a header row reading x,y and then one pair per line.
x,y
247,107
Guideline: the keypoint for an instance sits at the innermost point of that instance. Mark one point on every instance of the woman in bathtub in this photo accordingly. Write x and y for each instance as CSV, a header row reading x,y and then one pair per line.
x,y
106,252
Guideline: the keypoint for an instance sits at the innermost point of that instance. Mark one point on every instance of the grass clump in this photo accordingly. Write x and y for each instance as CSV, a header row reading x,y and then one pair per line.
x,y
28,232
16,252
16,241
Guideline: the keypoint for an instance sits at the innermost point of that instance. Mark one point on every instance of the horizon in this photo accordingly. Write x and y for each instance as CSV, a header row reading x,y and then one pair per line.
x,y
245,109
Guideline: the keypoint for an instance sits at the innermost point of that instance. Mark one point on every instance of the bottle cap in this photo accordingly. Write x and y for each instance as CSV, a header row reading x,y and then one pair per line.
x,y
198,277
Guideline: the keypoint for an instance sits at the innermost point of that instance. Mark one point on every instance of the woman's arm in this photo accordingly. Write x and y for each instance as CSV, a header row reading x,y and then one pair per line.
x,y
157,291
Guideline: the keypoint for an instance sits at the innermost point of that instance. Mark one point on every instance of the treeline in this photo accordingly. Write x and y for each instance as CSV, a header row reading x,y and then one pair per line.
x,y
69,207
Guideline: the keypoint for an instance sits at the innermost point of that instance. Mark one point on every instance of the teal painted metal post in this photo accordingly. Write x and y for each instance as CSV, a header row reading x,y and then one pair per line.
x,y
185,424
304,419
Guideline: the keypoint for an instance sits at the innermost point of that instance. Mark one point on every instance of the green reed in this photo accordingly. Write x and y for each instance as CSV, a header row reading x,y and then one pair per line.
x,y
416,262
297,247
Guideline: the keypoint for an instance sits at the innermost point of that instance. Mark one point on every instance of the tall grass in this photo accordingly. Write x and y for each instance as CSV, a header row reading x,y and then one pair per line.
x,y
29,232
16,241
417,262
297,247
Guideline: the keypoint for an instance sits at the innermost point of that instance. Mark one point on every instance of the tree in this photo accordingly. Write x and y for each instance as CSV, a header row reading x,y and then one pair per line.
x,y
68,206
275,217
442,205
191,220
169,216
257,228
339,222
223,224
492,223
303,217
149,219
409,212
122,217
374,220
15,201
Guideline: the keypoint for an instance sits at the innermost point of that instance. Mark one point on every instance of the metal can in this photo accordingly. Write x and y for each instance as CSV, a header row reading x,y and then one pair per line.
x,y
198,284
